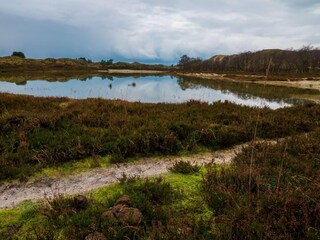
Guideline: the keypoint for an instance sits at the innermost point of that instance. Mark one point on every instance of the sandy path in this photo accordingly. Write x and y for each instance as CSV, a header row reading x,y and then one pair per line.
x,y
13,194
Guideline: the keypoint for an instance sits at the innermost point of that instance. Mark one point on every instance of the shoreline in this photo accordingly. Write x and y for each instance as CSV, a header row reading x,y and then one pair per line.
x,y
303,83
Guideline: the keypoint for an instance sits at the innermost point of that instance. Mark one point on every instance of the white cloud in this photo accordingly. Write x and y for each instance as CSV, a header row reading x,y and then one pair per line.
x,y
150,29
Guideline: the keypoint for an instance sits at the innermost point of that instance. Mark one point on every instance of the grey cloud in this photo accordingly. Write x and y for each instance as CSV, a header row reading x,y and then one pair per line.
x,y
150,29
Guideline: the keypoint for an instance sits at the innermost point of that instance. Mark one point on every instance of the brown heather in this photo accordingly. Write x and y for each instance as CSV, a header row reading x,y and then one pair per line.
x,y
40,132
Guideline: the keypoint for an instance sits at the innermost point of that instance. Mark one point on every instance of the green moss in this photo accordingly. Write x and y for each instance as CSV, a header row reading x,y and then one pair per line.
x,y
9,217
106,194
29,217
193,201
20,214
74,167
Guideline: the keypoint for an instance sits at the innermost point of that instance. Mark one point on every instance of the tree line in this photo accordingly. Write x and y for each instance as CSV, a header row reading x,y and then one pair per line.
x,y
304,60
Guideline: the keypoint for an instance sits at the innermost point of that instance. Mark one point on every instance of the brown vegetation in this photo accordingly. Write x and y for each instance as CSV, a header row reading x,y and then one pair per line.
x,y
37,132
284,200
15,64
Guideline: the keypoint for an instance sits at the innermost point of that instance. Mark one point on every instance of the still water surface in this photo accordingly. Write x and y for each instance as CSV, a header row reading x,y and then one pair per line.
x,y
155,89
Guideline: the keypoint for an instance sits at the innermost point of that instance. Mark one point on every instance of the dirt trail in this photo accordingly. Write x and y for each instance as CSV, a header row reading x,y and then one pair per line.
x,y
13,194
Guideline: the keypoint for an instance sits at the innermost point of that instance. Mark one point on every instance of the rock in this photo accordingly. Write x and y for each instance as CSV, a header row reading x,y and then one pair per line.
x,y
121,212
124,200
109,215
95,236
127,215
80,202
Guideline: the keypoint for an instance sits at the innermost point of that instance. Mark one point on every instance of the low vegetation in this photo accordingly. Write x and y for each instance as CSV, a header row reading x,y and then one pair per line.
x,y
17,63
283,202
41,132
276,198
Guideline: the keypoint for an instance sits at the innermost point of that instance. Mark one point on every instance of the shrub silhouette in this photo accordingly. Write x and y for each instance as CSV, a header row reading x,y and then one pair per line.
x,y
18,54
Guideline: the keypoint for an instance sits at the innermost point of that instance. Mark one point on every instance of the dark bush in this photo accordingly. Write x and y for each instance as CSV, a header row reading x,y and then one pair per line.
x,y
18,54
152,196
184,167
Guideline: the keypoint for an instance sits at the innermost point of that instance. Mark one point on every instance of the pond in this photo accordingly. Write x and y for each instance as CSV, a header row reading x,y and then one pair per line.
x,y
155,89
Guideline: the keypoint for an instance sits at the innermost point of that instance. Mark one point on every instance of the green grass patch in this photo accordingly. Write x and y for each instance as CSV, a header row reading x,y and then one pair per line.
x,y
159,199
16,217
73,167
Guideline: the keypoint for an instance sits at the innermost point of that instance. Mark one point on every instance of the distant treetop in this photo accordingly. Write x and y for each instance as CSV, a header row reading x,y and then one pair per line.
x,y
84,59
18,54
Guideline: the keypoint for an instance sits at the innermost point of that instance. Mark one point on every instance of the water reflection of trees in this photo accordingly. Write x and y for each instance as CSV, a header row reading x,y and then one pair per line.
x,y
241,90
23,77
248,90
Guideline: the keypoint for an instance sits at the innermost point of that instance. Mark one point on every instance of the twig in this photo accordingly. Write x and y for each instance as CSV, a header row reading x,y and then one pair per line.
x,y
255,136
268,69
281,167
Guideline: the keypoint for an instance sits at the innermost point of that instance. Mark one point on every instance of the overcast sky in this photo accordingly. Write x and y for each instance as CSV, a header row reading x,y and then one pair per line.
x,y
155,30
